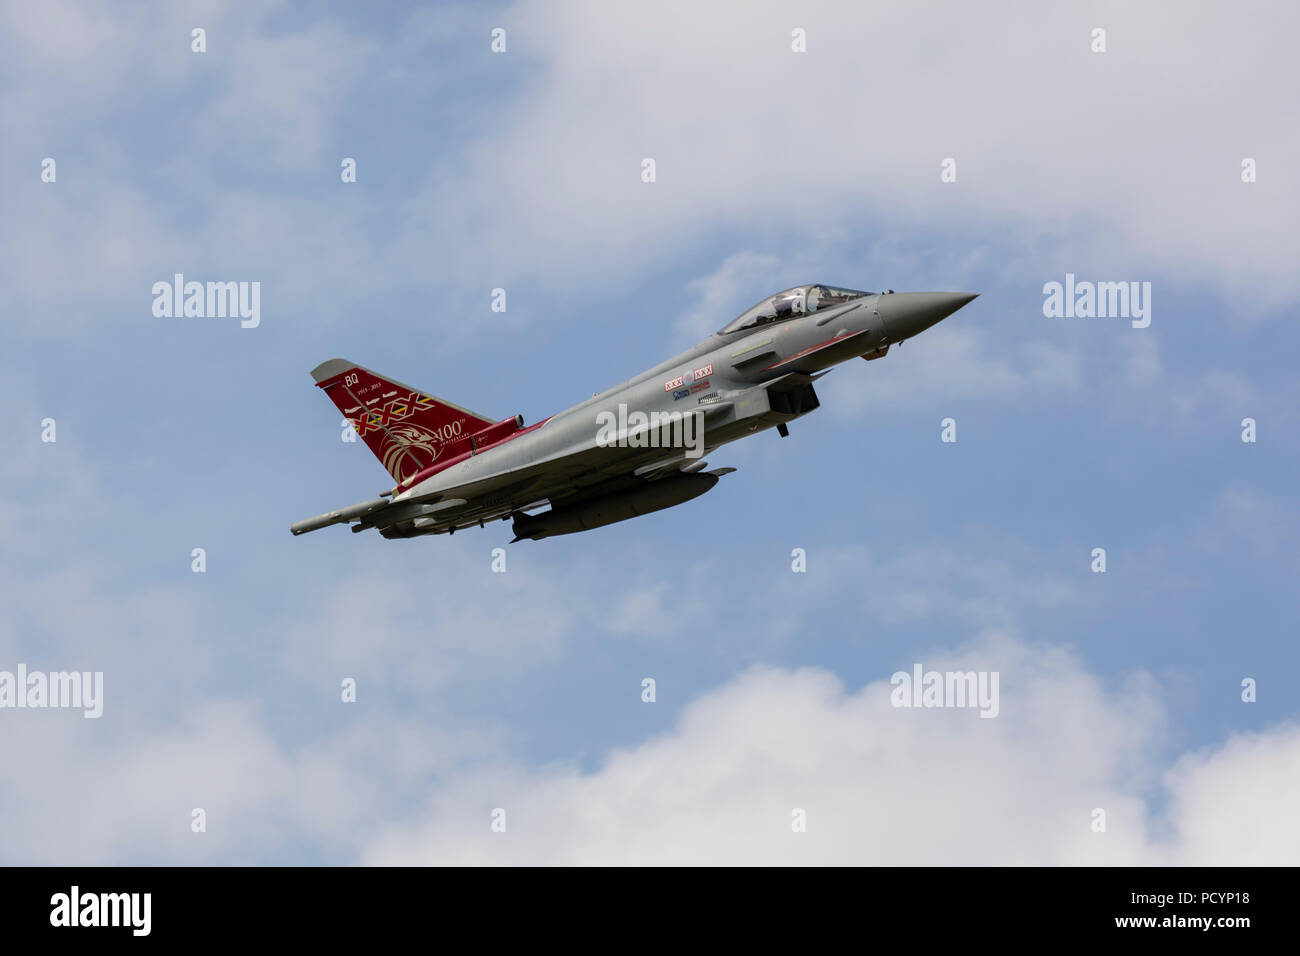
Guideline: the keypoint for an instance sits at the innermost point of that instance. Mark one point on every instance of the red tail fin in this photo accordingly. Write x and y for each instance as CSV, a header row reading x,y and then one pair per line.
x,y
406,428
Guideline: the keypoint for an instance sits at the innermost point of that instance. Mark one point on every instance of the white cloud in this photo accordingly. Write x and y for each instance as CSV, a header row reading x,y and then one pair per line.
x,y
125,212
1252,516
1235,805
950,361
717,293
1101,164
1108,157
107,794
882,785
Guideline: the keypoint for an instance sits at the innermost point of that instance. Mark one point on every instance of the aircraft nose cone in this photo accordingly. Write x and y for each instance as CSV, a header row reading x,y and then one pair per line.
x,y
909,313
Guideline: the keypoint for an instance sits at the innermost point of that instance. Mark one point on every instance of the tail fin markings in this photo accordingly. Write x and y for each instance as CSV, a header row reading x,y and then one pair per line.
x,y
407,429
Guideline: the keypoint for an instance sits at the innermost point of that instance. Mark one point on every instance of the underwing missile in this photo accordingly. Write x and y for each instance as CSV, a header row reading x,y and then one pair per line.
x,y
337,517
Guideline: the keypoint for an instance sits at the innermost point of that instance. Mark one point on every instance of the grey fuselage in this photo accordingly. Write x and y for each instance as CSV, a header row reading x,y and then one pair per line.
x,y
756,378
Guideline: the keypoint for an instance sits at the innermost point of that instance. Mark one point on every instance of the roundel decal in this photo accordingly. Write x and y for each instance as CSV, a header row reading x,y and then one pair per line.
x,y
687,377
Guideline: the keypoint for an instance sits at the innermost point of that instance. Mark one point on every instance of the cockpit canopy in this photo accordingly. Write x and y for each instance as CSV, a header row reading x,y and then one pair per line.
x,y
797,301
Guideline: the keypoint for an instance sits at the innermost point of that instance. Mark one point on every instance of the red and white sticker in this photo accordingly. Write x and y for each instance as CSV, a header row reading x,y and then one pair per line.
x,y
688,378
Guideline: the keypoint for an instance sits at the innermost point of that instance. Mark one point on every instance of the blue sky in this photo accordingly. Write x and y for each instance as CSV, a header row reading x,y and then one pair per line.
x,y
523,690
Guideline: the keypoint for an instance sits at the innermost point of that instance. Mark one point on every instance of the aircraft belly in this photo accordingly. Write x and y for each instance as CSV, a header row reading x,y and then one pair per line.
x,y
521,477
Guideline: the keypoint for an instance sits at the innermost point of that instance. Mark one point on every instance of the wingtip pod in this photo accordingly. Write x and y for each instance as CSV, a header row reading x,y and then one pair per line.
x,y
337,517
327,369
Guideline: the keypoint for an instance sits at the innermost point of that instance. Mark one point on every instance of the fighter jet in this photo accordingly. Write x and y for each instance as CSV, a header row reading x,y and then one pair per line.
x,y
627,451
